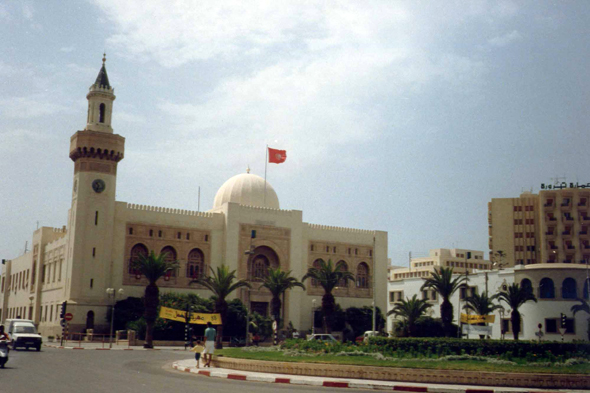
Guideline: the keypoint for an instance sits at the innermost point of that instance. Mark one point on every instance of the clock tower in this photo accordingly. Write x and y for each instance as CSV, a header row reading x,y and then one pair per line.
x,y
96,151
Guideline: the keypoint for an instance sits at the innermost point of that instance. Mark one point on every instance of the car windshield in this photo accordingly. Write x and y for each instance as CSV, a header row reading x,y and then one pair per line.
x,y
24,329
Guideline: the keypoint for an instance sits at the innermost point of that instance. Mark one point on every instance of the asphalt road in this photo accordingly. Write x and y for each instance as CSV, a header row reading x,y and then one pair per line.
x,y
90,371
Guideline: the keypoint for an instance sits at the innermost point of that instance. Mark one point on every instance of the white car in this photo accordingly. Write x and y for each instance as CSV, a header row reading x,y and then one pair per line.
x,y
23,334
322,337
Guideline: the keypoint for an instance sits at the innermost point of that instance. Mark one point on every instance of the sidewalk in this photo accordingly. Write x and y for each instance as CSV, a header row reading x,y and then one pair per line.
x,y
105,346
188,365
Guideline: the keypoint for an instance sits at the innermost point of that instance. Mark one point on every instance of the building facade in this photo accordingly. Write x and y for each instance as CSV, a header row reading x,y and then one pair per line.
x,y
93,252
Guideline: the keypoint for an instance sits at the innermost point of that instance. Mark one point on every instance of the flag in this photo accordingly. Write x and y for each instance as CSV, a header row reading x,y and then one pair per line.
x,y
276,156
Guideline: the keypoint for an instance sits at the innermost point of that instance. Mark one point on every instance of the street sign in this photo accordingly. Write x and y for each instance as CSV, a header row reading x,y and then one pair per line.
x,y
274,326
69,316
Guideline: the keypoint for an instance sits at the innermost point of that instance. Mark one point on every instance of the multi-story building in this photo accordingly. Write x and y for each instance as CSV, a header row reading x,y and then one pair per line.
x,y
549,227
95,250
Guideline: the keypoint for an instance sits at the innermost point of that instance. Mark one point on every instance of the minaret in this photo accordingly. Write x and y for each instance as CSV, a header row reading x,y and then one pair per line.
x,y
96,152
100,102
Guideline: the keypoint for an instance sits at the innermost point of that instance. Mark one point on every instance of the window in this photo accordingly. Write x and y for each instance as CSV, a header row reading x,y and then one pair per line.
x,y
195,265
530,248
362,275
546,289
370,253
179,235
151,232
334,250
311,247
91,283
356,251
170,257
101,113
138,251
327,248
260,267
568,289
159,233
188,236
96,218
391,297
93,251
526,284
343,267
131,231
550,325
316,265
206,238
585,294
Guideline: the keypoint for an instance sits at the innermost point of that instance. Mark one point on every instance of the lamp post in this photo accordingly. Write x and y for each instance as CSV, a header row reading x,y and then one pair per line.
x,y
247,316
313,316
113,293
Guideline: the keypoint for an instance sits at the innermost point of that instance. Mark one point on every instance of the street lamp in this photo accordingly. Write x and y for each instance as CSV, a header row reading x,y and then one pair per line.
x,y
111,292
313,316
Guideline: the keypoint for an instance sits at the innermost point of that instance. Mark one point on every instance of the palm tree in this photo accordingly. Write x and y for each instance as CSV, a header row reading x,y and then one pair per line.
x,y
153,267
278,282
585,307
443,283
481,305
328,278
410,310
515,296
221,283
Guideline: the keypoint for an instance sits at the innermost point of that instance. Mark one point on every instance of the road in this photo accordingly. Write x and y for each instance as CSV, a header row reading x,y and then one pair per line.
x,y
91,371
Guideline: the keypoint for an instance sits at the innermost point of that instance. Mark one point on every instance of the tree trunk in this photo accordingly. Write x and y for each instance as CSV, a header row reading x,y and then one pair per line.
x,y
275,306
221,308
151,301
328,306
515,320
446,315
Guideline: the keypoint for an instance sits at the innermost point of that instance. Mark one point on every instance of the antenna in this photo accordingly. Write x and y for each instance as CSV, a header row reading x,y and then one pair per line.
x,y
26,247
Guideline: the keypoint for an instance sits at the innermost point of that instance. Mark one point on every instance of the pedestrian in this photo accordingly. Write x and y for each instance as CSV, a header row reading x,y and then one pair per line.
x,y
256,339
210,335
198,349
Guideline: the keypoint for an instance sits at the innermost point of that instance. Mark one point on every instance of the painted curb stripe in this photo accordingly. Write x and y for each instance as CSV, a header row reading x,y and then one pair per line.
x,y
410,388
207,373
102,349
282,380
478,391
77,348
236,376
332,384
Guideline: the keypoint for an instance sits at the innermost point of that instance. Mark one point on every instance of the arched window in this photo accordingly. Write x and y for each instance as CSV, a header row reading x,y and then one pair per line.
x,y
343,267
362,275
136,252
317,264
195,264
526,284
101,112
170,257
586,283
568,289
260,266
546,289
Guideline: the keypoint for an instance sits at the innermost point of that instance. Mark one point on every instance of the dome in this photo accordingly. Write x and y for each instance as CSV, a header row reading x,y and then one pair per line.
x,y
246,189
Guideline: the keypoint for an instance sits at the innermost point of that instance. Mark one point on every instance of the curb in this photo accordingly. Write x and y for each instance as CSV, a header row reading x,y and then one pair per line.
x,y
111,349
374,385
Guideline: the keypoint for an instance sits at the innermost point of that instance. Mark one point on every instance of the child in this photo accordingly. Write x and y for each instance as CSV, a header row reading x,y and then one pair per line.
x,y
197,350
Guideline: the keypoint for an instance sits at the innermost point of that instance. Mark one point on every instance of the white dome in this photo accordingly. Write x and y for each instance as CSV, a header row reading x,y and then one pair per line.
x,y
246,189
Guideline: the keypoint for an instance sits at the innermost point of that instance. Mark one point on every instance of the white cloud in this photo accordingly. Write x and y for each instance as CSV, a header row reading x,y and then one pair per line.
x,y
505,39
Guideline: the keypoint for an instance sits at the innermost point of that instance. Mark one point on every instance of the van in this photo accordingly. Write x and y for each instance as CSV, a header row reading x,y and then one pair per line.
x,y
23,333
369,333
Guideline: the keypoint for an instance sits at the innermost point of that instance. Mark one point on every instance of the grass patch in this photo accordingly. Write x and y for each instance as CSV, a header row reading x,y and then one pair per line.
x,y
521,366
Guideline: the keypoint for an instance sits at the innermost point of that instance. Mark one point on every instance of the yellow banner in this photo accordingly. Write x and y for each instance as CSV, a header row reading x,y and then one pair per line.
x,y
473,319
196,318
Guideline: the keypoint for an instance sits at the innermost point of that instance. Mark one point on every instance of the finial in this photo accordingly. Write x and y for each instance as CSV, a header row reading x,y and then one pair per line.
x,y
104,58
248,169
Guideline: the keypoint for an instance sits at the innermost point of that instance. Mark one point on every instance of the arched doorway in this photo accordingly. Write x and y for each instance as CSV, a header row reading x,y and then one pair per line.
x,y
90,320
261,260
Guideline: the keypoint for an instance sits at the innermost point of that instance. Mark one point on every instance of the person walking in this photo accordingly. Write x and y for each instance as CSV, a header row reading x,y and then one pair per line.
x,y
210,335
197,349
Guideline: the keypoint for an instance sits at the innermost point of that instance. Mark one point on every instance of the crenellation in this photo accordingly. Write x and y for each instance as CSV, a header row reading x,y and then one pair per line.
x,y
167,210
338,229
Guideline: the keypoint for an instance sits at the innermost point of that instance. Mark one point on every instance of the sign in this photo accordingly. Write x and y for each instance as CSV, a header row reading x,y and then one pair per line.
x,y
196,318
562,185
63,323
274,326
539,334
474,329
69,316
474,319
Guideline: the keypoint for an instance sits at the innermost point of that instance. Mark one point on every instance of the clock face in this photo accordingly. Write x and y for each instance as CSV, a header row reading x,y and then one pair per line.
x,y
98,185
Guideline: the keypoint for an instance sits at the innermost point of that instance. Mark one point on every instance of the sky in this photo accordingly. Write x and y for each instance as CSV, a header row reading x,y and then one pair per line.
x,y
401,116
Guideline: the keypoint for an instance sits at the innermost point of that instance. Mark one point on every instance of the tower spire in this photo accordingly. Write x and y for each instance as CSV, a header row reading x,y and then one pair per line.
x,y
100,102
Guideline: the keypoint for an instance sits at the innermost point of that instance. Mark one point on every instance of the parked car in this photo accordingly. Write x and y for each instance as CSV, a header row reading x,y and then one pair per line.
x,y
23,334
322,337
365,337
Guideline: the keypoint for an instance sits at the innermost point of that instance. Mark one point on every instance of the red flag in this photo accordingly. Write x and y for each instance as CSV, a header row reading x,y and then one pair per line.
x,y
276,156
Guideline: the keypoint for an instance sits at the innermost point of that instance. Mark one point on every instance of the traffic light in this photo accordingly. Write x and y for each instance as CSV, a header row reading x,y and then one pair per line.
x,y
62,315
563,320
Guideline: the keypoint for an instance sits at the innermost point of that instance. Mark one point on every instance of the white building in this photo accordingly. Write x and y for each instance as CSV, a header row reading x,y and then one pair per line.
x,y
92,252
556,287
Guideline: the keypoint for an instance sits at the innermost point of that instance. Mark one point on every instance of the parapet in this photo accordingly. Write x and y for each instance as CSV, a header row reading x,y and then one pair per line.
x,y
339,229
167,210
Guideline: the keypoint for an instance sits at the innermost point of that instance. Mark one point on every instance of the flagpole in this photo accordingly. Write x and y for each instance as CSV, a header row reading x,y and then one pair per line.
x,y
265,165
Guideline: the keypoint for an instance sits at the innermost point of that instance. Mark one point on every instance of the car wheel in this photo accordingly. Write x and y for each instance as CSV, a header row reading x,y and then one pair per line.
x,y
26,348
38,348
